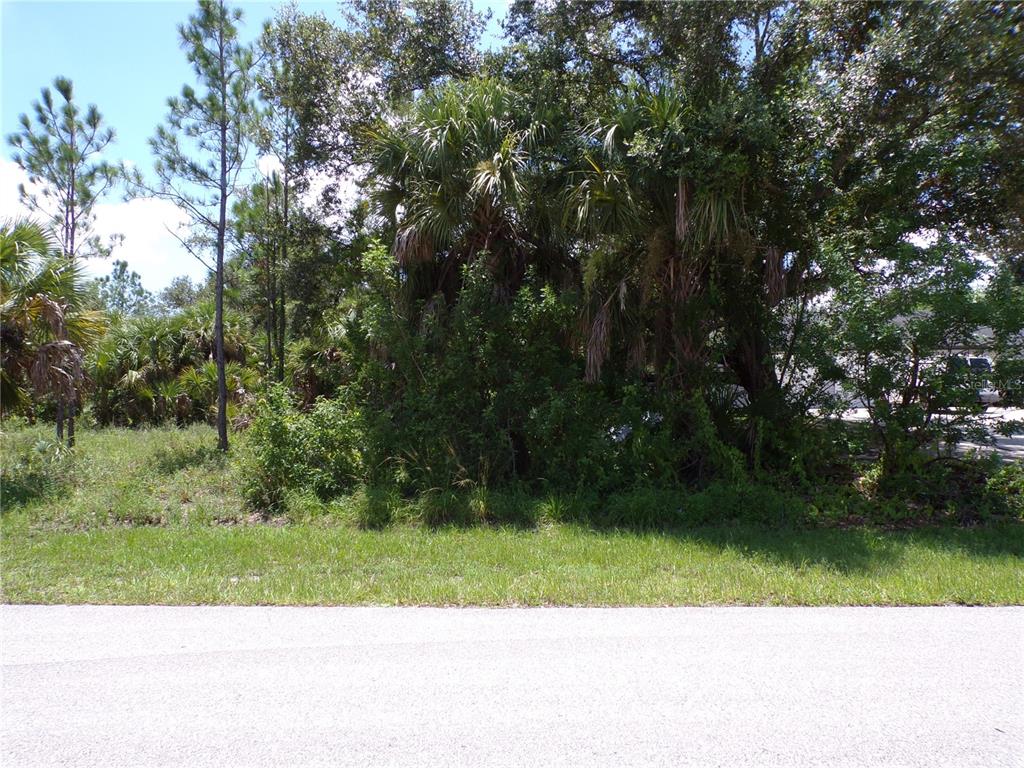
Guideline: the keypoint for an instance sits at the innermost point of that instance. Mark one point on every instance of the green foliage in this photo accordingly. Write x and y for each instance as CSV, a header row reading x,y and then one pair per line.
x,y
151,370
318,451
34,466
899,325
968,490
717,504
412,44
484,393
61,148
455,401
45,326
1005,488
121,292
179,295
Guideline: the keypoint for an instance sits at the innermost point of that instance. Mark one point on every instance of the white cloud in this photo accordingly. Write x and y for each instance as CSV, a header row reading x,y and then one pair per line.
x,y
268,164
10,202
149,247
146,223
923,238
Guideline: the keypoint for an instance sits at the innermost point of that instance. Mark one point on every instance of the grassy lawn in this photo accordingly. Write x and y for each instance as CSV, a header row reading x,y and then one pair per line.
x,y
155,518
556,565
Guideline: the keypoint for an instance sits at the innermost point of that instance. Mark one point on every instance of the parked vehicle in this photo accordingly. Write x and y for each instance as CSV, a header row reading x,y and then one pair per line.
x,y
980,370
988,395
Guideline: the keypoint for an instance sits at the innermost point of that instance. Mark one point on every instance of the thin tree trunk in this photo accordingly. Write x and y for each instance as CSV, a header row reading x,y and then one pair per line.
x,y
70,217
72,231
71,422
280,332
60,418
222,386
284,261
268,352
270,266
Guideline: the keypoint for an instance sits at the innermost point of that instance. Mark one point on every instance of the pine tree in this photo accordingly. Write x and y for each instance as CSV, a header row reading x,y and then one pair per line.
x,y
281,90
61,150
202,147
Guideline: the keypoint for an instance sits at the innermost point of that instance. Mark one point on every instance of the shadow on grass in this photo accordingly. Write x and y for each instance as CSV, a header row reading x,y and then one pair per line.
x,y
21,488
756,522
848,551
167,461
1000,539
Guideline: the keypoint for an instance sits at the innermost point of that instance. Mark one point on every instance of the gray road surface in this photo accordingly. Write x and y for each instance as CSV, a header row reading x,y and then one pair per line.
x,y
146,686
1008,446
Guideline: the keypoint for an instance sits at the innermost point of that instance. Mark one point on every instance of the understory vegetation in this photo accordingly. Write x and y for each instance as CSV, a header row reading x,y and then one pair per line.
x,y
169,477
155,516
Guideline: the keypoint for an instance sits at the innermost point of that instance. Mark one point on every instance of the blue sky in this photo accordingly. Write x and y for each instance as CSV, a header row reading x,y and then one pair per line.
x,y
125,58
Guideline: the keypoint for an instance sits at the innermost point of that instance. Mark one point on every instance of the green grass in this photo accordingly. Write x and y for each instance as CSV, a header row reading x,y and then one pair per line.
x,y
299,565
155,517
119,477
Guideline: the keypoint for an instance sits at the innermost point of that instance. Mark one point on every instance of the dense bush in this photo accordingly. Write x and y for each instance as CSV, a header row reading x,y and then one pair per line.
x,y
152,370
486,392
469,394
1005,487
318,451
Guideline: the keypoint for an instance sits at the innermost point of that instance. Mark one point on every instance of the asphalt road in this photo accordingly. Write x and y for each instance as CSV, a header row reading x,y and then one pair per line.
x,y
107,686
1008,446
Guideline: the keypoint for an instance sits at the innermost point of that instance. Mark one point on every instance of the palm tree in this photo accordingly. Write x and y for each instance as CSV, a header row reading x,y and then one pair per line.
x,y
660,200
694,240
44,324
140,367
455,175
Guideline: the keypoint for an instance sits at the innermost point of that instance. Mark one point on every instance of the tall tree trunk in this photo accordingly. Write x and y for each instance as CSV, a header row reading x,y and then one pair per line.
x,y
72,232
60,418
269,328
71,422
286,233
280,332
218,330
222,385
270,264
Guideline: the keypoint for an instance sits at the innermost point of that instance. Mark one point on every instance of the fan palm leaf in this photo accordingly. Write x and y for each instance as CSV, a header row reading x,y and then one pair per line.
x,y
451,174
45,327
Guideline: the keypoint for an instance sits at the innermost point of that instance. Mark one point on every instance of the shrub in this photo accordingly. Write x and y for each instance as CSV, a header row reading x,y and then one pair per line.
x,y
1005,489
34,466
373,507
318,452
639,508
966,490
653,508
743,502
